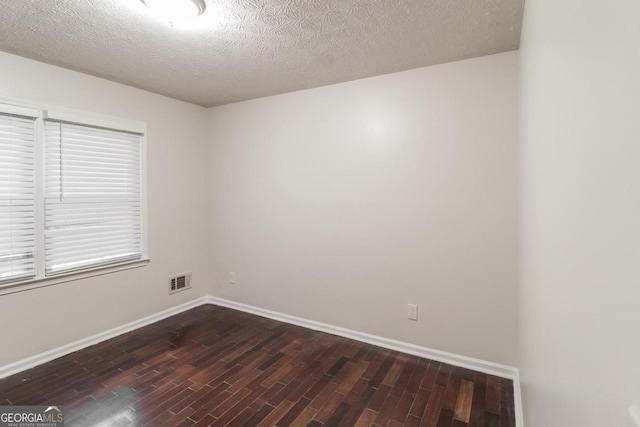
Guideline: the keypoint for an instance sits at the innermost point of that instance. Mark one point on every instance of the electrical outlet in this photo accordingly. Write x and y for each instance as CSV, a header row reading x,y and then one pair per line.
x,y
412,312
232,278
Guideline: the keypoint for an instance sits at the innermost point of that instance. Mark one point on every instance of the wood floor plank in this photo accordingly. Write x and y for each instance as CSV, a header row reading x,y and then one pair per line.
x,y
401,411
430,375
386,411
452,390
293,412
350,380
494,394
394,373
404,377
319,401
213,366
259,416
379,398
412,421
420,402
366,418
445,419
338,415
275,415
358,400
327,409
463,404
416,378
493,420
434,406
478,413
304,418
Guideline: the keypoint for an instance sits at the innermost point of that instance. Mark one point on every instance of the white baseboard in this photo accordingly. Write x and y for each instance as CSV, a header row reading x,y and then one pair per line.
x,y
490,368
47,356
517,397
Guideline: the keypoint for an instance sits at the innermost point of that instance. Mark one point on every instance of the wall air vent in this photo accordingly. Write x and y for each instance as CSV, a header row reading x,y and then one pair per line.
x,y
179,283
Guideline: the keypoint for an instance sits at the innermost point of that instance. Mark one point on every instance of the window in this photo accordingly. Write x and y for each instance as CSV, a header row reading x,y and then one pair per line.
x,y
17,194
71,193
92,197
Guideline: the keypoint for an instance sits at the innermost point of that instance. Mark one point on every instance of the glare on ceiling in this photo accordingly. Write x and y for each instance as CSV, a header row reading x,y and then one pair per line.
x,y
176,11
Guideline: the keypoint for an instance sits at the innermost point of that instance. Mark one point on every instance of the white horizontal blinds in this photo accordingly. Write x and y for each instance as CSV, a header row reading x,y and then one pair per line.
x,y
92,197
17,191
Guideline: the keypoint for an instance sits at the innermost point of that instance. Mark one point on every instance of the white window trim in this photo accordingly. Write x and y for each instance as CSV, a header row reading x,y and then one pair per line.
x,y
97,120
84,118
42,282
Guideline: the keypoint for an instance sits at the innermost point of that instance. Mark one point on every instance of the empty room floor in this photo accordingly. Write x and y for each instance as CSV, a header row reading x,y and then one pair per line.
x,y
216,366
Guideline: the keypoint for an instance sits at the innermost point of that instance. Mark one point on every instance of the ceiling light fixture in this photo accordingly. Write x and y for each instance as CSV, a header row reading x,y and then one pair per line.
x,y
176,11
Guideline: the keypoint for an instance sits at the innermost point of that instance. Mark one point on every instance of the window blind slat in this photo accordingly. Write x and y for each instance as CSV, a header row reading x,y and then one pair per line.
x,y
70,235
77,144
92,197
8,149
99,252
121,220
17,197
82,169
83,245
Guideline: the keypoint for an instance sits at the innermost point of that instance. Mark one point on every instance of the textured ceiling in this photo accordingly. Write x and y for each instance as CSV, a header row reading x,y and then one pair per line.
x,y
244,49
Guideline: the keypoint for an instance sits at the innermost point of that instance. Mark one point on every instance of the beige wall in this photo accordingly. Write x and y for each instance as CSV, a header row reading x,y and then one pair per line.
x,y
580,293
179,219
344,203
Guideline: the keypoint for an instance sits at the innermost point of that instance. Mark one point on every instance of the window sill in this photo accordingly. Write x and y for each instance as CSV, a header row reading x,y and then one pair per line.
x,y
27,285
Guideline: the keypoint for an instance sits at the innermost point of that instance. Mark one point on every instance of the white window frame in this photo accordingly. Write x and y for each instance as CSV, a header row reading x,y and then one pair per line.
x,y
80,118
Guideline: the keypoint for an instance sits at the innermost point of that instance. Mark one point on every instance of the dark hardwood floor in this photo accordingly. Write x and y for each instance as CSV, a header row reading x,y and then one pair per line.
x,y
216,366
